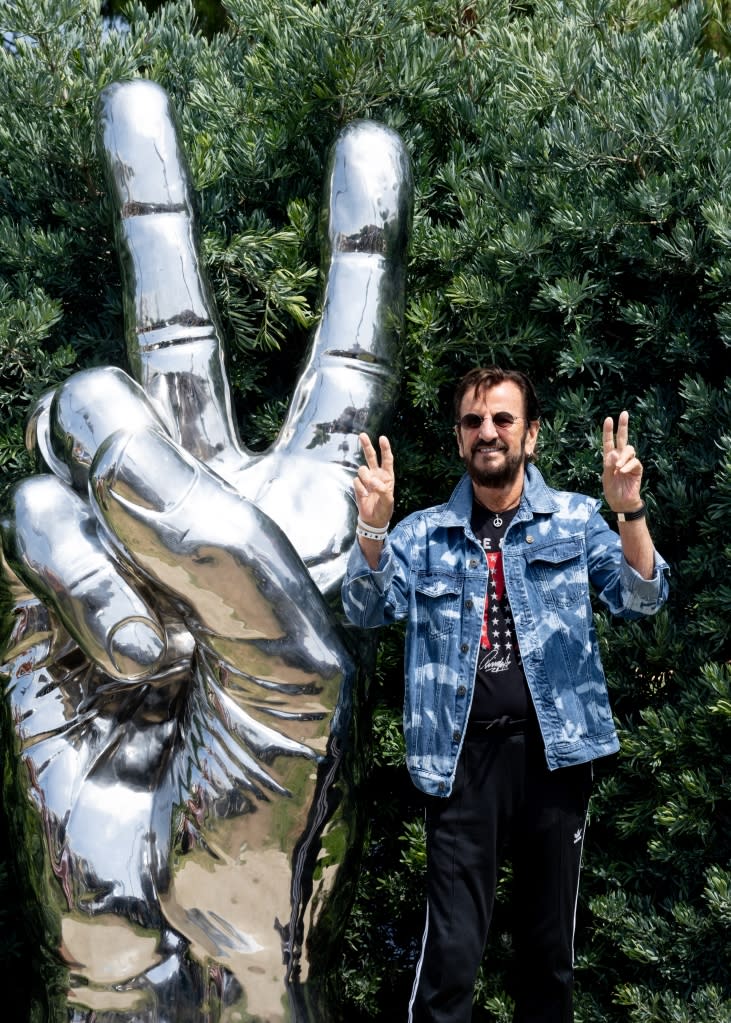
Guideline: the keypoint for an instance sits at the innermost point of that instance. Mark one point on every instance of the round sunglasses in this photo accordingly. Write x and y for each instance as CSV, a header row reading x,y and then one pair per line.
x,y
501,420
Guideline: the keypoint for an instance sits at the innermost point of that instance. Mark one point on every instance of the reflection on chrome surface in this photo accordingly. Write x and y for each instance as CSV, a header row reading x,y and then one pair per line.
x,y
185,698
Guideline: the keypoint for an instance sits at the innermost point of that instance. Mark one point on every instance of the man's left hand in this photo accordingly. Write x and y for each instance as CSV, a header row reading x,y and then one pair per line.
x,y
622,468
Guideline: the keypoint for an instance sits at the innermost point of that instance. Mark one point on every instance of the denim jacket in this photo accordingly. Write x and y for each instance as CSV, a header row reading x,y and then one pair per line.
x,y
433,573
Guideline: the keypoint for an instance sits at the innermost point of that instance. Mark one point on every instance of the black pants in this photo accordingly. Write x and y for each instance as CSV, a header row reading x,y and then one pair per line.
x,y
505,800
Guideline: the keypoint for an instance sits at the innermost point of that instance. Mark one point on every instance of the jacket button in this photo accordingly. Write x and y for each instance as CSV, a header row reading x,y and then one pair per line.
x,y
456,735
461,690
441,786
473,563
468,605
529,539
464,648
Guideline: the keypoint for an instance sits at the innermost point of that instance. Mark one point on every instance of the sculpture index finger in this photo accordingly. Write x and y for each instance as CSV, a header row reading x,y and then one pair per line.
x,y
173,340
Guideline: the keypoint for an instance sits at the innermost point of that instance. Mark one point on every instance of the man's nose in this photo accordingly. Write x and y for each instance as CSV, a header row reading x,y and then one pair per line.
x,y
487,428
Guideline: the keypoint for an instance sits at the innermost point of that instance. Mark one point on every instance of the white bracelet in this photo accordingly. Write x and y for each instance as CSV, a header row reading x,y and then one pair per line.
x,y
371,532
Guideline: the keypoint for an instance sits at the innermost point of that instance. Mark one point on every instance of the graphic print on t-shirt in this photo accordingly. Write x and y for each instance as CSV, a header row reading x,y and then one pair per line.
x,y
497,642
501,688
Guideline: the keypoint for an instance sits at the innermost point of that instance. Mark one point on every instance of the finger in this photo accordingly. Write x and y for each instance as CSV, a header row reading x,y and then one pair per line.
x,y
630,466
173,340
38,437
372,476
349,381
608,436
82,412
372,482
622,430
360,489
386,455
51,542
237,581
369,452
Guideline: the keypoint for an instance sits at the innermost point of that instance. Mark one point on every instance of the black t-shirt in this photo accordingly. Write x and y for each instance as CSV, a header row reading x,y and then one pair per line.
x,y
500,688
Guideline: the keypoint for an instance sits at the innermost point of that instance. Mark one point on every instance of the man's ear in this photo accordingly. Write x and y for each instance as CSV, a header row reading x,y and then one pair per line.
x,y
458,435
532,436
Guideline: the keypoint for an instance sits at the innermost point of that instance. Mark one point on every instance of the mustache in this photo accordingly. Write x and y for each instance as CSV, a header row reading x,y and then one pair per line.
x,y
489,445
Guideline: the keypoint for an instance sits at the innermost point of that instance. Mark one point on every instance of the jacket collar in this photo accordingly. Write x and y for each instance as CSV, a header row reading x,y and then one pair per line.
x,y
537,499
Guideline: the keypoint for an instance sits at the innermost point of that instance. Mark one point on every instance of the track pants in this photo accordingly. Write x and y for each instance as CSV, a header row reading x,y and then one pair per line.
x,y
504,801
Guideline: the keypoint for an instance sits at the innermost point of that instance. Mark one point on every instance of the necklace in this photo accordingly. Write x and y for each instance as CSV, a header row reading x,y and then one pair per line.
x,y
497,519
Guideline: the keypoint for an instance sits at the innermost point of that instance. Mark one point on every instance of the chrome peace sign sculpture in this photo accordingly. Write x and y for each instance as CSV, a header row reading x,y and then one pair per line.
x,y
182,689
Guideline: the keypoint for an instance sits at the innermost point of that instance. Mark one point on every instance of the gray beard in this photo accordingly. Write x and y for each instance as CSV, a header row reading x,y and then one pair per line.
x,y
497,477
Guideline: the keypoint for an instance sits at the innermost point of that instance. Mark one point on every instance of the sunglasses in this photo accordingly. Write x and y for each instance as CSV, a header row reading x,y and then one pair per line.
x,y
501,420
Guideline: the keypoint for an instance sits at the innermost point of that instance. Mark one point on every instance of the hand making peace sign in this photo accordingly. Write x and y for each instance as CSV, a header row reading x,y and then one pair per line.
x,y
622,474
181,686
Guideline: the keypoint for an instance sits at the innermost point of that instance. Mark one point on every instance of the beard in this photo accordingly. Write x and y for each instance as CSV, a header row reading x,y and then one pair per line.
x,y
497,476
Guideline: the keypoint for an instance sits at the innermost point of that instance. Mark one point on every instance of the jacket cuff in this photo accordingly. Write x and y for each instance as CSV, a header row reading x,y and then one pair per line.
x,y
358,567
645,595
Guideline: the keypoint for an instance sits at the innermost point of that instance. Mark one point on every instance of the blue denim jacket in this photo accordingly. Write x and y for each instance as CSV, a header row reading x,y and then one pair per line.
x,y
433,573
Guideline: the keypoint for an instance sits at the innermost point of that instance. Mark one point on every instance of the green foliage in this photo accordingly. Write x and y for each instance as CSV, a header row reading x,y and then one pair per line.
x,y
210,14
573,177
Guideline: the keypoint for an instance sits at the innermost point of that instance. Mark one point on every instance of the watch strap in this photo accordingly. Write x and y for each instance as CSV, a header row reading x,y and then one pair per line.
x,y
632,516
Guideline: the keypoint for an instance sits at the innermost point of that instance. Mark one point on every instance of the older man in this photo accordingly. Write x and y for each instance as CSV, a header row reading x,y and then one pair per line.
x,y
506,704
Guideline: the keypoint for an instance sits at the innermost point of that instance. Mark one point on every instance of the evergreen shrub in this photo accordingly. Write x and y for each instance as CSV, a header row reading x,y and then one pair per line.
x,y
573,219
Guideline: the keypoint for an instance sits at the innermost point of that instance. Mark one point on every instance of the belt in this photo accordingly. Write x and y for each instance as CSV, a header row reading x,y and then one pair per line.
x,y
501,726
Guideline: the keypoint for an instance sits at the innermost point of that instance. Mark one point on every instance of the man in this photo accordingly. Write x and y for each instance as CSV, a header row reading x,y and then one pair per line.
x,y
506,704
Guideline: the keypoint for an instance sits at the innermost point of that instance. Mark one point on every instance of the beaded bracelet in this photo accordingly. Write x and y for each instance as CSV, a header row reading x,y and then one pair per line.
x,y
369,532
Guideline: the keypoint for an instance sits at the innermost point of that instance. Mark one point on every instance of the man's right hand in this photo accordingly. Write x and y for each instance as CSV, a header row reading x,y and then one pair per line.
x,y
373,488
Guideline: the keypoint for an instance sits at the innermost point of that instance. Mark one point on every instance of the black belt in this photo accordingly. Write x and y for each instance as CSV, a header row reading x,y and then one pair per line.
x,y
503,726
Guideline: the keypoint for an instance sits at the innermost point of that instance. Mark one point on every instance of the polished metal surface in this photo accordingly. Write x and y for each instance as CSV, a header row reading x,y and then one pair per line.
x,y
183,691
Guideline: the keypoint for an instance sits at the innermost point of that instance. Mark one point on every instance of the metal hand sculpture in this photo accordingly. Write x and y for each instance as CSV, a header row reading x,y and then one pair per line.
x,y
181,689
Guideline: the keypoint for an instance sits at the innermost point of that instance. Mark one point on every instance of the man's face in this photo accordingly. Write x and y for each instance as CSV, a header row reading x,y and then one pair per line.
x,y
495,455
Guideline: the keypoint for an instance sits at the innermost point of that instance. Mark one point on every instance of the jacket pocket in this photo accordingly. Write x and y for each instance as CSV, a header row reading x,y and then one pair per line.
x,y
559,568
437,600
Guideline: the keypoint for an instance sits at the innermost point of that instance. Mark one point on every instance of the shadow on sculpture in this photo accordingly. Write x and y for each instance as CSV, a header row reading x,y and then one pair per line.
x,y
184,698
